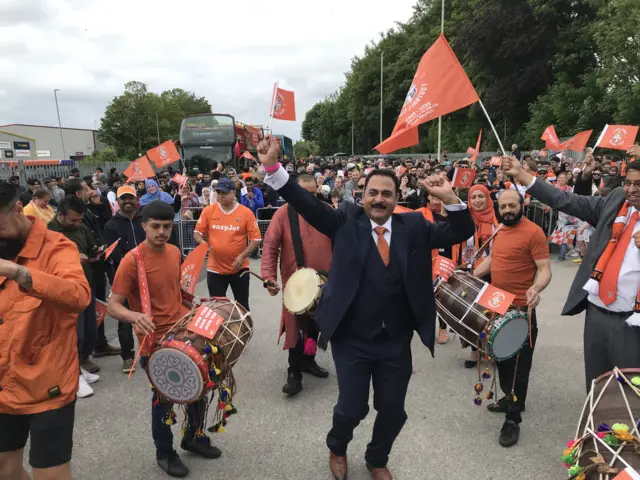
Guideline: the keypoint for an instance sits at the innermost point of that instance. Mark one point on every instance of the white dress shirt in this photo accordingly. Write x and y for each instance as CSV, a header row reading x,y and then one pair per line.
x,y
628,280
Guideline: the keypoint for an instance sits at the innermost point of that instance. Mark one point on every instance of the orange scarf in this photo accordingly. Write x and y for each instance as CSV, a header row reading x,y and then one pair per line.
x,y
484,219
604,278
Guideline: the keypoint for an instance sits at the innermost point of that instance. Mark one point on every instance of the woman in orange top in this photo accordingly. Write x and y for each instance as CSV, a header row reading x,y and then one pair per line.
x,y
39,206
484,217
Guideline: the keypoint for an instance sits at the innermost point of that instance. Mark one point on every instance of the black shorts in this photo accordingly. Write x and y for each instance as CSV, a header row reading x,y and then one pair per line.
x,y
51,435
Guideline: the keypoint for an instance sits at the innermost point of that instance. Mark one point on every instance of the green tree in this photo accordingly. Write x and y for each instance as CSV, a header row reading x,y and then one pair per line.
x,y
129,123
305,148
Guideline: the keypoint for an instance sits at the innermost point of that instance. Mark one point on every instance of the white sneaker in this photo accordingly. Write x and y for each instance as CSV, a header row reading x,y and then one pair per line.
x,y
84,390
89,377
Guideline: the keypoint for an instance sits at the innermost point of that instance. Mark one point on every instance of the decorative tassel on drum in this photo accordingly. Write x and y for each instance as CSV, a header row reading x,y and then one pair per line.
x,y
310,347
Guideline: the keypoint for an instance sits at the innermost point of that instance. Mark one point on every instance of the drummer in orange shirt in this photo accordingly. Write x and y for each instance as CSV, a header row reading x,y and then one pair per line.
x,y
519,264
232,232
162,267
42,290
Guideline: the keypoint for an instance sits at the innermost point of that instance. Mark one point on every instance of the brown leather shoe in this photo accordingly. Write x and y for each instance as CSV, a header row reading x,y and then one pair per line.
x,y
338,466
380,473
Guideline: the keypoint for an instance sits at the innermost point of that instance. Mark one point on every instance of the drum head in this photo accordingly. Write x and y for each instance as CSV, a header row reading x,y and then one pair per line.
x,y
301,291
175,375
508,336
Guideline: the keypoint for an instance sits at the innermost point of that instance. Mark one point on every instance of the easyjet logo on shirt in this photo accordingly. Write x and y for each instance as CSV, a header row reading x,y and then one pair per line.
x,y
225,228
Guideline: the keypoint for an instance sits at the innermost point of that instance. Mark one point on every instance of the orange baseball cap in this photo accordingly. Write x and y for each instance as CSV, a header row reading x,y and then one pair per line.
x,y
126,190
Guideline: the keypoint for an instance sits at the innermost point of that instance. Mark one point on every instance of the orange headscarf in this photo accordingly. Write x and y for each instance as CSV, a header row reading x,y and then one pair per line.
x,y
484,219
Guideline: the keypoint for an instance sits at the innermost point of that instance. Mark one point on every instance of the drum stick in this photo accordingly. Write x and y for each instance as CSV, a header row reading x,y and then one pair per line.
x,y
266,283
483,247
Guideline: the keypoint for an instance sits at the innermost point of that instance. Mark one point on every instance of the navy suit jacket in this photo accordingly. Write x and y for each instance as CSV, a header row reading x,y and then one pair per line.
x,y
349,229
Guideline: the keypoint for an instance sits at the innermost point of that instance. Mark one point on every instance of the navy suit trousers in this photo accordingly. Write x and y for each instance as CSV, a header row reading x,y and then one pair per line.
x,y
386,362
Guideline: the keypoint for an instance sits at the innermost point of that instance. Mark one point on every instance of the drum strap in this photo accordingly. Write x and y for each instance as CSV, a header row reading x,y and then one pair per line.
x,y
294,225
143,285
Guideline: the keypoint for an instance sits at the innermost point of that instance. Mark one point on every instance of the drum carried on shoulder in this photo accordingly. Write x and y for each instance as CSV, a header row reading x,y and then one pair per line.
x,y
498,336
303,290
608,435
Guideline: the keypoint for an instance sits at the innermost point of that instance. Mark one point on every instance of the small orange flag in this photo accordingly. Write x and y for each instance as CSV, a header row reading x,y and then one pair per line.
x,y
617,137
627,474
191,268
551,138
494,299
440,86
139,169
463,177
284,105
101,311
474,153
164,154
578,142
109,250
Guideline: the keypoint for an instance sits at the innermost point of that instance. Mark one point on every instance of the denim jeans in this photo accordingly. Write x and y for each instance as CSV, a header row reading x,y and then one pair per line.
x,y
563,251
161,432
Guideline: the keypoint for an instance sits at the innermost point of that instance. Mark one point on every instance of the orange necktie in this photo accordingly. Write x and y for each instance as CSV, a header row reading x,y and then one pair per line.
x,y
383,246
609,283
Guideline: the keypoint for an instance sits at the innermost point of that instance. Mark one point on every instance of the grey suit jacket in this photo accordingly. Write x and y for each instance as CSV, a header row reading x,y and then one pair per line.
x,y
599,212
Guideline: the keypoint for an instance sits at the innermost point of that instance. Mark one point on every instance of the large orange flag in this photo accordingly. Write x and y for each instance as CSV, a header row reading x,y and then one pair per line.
x,y
139,169
618,137
192,267
440,86
578,142
551,138
164,154
284,105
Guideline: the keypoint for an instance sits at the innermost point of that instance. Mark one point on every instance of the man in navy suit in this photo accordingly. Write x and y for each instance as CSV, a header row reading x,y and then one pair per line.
x,y
378,292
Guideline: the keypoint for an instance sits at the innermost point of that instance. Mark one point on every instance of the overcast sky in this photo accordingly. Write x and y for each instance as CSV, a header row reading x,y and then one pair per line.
x,y
231,52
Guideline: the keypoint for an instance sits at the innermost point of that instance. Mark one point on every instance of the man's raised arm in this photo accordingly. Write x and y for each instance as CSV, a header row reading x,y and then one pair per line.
x,y
584,208
319,214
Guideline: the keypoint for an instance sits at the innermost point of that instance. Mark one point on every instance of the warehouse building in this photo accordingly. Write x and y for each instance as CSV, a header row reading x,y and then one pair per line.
x,y
40,142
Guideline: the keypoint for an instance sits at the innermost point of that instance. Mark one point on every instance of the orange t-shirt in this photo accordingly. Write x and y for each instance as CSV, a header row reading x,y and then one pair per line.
x,y
163,278
513,256
227,233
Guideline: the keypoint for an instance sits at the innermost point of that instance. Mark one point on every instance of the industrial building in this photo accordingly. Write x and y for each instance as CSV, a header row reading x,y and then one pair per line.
x,y
40,142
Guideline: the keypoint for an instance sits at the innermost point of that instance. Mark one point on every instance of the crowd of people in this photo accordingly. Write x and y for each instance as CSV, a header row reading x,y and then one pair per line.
x,y
484,229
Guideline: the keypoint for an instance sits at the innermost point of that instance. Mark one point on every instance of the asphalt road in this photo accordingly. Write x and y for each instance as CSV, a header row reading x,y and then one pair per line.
x,y
276,438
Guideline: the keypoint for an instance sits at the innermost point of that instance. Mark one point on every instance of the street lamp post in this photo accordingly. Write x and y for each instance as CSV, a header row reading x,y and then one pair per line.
x,y
55,95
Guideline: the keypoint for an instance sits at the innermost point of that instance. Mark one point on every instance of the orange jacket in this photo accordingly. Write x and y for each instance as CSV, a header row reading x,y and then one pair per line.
x,y
39,367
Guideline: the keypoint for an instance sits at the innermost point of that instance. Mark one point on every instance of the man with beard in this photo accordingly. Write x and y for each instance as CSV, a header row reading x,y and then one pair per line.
x,y
518,263
297,244
42,291
68,221
160,262
607,284
125,226
378,292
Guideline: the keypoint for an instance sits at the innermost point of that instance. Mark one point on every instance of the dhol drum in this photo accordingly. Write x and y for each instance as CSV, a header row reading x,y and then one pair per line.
x,y
607,438
185,366
500,337
303,290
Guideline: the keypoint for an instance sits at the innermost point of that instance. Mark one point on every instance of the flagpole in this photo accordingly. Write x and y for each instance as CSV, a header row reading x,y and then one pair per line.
x,y
381,90
492,127
440,118
273,105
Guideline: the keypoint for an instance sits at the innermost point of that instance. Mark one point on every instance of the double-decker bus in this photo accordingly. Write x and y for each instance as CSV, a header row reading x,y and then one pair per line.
x,y
208,137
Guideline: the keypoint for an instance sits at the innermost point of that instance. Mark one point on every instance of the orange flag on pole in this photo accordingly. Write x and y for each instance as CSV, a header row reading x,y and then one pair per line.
x,y
474,153
191,268
440,86
578,142
551,138
164,154
494,299
284,105
627,474
618,137
139,169
101,311
109,250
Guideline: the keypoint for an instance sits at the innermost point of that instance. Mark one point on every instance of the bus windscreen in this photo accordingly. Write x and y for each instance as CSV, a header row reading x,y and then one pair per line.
x,y
207,129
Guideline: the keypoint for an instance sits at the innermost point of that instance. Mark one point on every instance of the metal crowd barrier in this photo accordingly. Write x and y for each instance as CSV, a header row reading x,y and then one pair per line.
x,y
186,221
